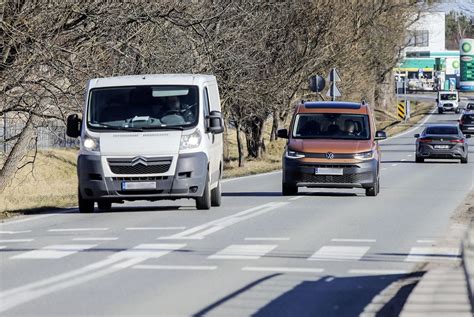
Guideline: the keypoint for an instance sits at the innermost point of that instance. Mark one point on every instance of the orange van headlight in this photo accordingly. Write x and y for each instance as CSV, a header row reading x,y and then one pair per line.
x,y
364,155
294,154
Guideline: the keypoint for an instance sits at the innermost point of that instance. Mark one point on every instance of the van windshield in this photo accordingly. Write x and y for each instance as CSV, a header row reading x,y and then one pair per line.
x,y
143,107
331,126
448,97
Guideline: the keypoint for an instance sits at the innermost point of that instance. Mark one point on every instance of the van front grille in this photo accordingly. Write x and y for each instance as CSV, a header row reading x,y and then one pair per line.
x,y
139,165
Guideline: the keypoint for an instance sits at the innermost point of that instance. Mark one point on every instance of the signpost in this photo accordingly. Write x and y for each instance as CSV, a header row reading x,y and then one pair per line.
x,y
466,50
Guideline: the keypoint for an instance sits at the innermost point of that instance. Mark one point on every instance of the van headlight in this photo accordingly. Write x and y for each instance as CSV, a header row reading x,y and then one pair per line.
x,y
364,155
190,141
91,144
294,154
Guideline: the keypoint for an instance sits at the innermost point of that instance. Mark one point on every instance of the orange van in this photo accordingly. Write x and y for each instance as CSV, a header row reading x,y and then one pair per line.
x,y
332,145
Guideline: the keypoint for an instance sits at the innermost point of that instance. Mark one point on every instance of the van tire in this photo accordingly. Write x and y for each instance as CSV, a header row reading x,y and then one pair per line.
x,y
374,190
289,189
464,160
440,111
216,195
204,202
104,205
419,159
86,206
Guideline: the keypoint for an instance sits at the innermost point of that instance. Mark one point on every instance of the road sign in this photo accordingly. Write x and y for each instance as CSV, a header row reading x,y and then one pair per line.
x,y
316,83
401,109
333,92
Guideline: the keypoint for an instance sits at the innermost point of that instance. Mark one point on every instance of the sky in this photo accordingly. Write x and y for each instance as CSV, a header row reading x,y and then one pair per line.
x,y
459,5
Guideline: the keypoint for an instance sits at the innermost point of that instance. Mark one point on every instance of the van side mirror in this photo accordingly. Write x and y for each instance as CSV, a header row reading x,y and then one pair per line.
x,y
216,123
417,135
73,126
380,135
282,134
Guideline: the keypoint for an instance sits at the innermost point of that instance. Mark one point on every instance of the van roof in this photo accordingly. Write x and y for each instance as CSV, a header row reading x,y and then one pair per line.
x,y
151,79
332,106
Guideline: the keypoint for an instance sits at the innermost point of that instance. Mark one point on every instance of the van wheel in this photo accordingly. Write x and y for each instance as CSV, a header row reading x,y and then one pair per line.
x,y
464,160
419,159
289,189
104,205
85,205
204,202
440,111
374,190
216,195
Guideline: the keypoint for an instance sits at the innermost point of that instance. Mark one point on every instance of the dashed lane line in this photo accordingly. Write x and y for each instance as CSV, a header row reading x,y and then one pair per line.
x,y
376,272
243,252
296,198
77,229
153,228
433,254
267,239
54,251
280,269
96,239
176,267
15,232
353,240
16,240
339,253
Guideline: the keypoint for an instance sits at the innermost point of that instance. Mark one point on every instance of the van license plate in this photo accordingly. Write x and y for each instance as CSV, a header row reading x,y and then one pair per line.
x,y
441,147
329,171
138,185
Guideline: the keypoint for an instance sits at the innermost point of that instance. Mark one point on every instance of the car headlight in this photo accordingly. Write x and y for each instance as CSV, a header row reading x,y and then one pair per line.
x,y
294,154
364,155
190,141
91,144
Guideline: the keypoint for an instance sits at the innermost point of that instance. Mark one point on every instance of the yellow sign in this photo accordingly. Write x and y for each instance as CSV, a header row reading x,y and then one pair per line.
x,y
401,107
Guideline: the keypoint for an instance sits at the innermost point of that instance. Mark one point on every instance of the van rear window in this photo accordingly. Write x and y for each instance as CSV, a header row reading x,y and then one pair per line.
x,y
332,126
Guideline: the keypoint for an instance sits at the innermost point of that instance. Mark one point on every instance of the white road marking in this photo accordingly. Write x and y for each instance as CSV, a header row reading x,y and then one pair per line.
x,y
153,228
13,222
353,240
77,229
248,176
416,127
425,241
428,254
243,252
409,155
54,251
19,295
148,250
338,253
296,198
96,239
403,160
394,164
329,279
3,247
267,239
201,231
14,232
282,269
376,272
176,267
16,240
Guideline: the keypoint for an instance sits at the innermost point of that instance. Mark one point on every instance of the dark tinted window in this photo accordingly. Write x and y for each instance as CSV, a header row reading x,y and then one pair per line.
x,y
447,96
442,130
468,118
332,126
144,107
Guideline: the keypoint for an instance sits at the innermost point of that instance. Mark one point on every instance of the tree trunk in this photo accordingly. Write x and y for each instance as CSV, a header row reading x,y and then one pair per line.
x,y
240,146
275,125
255,141
16,155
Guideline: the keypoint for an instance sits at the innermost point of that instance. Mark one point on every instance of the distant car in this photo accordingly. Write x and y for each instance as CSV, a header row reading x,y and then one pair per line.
x,y
448,101
466,123
469,106
442,142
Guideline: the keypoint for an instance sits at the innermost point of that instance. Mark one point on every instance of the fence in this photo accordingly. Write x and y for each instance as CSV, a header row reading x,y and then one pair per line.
x,y
51,134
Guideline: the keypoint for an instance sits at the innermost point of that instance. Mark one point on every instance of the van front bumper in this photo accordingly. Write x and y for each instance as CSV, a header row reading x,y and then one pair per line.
x,y
354,175
188,181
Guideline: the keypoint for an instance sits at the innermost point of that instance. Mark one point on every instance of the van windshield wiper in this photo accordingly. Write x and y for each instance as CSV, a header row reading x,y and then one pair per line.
x,y
114,127
163,127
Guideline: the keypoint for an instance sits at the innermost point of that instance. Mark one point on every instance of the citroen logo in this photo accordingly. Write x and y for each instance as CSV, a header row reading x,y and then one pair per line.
x,y
329,155
139,160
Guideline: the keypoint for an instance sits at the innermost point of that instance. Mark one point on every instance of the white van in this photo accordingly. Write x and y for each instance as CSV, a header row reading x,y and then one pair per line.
x,y
448,101
149,137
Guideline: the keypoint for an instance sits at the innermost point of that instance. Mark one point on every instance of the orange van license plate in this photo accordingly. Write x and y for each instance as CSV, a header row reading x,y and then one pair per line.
x,y
329,171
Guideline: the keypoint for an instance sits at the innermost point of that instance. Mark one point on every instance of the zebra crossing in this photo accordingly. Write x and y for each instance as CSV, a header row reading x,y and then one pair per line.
x,y
237,252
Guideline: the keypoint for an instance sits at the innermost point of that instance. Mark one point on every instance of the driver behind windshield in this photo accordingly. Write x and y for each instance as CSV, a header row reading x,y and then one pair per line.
x,y
349,127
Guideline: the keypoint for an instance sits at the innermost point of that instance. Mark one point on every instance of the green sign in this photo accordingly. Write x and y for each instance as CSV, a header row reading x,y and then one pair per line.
x,y
466,64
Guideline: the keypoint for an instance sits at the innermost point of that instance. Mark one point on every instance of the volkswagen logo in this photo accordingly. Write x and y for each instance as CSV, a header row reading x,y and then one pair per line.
x,y
139,160
329,155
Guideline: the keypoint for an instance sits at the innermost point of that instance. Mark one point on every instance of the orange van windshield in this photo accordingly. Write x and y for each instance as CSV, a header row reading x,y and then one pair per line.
x,y
331,126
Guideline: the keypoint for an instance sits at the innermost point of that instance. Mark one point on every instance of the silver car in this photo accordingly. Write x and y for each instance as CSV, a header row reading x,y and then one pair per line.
x,y
444,141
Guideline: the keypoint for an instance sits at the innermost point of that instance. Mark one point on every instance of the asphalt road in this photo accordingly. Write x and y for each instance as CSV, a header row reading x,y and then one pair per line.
x,y
321,253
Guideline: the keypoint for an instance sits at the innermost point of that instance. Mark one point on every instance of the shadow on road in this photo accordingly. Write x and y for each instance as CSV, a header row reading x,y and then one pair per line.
x,y
326,296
